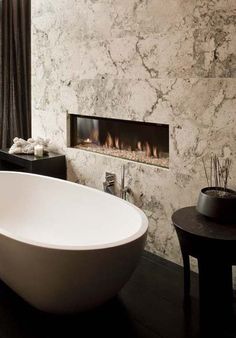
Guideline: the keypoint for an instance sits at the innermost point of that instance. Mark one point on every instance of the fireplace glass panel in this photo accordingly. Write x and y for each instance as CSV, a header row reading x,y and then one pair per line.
x,y
132,140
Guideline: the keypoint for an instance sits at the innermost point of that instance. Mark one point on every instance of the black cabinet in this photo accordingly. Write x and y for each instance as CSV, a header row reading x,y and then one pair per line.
x,y
53,165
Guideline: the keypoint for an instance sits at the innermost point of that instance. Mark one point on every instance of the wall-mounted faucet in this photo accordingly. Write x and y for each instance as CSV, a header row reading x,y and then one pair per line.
x,y
109,184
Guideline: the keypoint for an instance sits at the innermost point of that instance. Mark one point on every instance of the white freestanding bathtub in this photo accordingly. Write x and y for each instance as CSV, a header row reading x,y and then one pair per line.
x,y
66,247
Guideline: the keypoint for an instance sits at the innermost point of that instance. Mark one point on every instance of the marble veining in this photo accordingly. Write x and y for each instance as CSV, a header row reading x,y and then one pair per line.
x,y
158,61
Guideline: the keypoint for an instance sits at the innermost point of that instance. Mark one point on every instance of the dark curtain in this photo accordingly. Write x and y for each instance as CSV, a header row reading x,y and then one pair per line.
x,y
15,118
0,58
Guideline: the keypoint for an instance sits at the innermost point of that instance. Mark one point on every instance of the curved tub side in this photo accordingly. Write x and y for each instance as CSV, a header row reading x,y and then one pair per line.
x,y
62,281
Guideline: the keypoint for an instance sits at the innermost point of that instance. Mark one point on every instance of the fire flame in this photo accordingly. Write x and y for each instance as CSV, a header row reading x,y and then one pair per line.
x,y
109,141
155,152
116,143
148,150
139,146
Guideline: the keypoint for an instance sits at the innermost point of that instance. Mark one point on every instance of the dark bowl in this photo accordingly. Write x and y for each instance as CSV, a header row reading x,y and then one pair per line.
x,y
220,208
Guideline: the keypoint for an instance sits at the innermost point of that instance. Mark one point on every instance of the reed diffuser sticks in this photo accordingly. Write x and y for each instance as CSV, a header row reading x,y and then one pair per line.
x,y
218,172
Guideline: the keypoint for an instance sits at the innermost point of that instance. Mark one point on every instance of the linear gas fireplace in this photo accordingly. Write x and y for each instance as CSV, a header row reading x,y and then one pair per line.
x,y
135,141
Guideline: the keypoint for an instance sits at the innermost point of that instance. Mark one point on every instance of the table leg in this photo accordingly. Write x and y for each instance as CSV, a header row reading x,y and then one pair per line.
x,y
186,275
215,288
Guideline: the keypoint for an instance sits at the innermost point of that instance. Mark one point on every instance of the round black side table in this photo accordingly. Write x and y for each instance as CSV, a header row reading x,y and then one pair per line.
x,y
214,246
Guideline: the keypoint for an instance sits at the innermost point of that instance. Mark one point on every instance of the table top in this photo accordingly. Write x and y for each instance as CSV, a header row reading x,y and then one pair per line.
x,y
191,221
27,157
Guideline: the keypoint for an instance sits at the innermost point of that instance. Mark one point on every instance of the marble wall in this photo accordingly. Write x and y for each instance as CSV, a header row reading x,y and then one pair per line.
x,y
171,61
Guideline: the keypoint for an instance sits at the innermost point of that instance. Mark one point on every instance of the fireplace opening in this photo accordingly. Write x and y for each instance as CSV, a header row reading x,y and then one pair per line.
x,y
132,140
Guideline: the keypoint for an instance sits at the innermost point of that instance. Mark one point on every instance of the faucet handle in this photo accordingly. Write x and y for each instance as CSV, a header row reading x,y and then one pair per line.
x,y
109,184
110,178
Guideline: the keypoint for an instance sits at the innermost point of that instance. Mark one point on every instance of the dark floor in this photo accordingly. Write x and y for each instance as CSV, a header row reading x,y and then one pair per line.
x,y
149,306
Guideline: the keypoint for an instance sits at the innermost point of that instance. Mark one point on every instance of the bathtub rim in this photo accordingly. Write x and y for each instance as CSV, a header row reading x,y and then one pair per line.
x,y
138,234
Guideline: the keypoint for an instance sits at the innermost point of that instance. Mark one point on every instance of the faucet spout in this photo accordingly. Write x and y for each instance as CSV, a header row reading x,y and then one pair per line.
x,y
109,184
